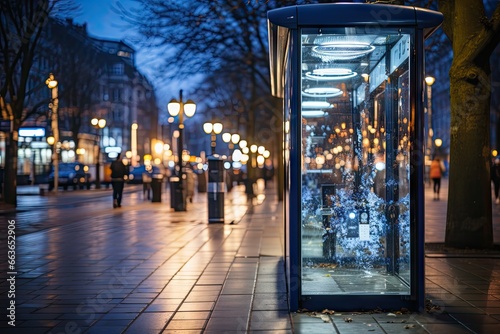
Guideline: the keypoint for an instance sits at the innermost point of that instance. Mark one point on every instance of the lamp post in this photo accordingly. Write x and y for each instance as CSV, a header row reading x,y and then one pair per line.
x,y
213,129
99,124
51,82
180,108
429,81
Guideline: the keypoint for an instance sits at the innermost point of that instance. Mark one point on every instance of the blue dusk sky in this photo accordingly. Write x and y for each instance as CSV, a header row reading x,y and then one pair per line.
x,y
103,22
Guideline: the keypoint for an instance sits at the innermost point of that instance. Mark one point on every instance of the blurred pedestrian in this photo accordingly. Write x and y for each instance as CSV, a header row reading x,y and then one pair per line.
x,y
435,173
146,183
189,185
495,177
119,172
248,187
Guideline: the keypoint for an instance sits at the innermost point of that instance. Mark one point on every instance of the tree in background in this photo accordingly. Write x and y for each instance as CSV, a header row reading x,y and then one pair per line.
x,y
21,26
79,64
226,38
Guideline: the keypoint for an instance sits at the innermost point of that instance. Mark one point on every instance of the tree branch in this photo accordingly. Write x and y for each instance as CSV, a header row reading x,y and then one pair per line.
x,y
484,42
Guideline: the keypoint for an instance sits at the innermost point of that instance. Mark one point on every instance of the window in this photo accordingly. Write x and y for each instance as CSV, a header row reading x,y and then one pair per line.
x,y
117,69
124,54
355,162
117,115
105,94
117,95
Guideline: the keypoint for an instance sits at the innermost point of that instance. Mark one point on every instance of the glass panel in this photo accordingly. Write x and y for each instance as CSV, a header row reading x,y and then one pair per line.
x,y
355,162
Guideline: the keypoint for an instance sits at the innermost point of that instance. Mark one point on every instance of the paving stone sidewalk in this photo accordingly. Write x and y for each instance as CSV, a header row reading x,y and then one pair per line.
x,y
148,269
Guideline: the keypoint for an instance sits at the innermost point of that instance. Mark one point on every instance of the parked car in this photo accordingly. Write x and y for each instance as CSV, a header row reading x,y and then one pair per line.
x,y
73,174
135,175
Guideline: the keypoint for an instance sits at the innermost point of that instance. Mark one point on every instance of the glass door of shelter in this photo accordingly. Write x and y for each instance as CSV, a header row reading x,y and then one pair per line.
x,y
355,186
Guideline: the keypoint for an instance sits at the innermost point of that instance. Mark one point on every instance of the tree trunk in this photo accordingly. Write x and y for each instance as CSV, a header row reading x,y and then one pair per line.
x,y
469,219
473,36
10,175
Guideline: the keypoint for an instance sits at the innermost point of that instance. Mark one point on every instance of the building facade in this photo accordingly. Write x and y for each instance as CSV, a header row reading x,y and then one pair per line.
x,y
97,78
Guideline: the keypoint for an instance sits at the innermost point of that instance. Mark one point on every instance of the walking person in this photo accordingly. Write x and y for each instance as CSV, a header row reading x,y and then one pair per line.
x,y
435,173
189,185
119,172
495,177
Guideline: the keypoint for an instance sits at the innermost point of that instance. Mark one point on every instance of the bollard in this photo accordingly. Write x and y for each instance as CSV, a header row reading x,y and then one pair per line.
x,y
156,182
215,190
177,194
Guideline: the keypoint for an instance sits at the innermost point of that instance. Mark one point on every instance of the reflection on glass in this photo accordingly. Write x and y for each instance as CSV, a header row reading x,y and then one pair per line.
x,y
355,163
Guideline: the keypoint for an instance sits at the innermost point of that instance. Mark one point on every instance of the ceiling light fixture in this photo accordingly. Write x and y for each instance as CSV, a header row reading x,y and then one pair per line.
x,y
313,113
341,50
330,74
315,104
322,92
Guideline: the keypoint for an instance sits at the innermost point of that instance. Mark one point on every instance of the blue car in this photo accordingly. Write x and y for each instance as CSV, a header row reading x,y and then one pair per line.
x,y
74,174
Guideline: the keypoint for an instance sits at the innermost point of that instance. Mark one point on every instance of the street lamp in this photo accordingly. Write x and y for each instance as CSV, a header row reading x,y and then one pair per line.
x,y
54,104
213,129
99,124
429,81
180,108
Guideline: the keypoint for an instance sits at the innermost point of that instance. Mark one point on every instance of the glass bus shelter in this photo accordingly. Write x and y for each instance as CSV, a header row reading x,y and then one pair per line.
x,y
351,79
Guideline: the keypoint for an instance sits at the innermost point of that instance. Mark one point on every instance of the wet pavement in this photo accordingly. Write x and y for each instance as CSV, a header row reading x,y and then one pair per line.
x,y
84,267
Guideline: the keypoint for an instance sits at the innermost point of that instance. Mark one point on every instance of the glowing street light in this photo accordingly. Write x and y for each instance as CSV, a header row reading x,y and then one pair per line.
x,y
213,129
429,81
180,108
99,124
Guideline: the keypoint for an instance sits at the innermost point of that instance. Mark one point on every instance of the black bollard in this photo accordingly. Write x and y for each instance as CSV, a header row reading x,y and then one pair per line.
x,y
215,192
156,182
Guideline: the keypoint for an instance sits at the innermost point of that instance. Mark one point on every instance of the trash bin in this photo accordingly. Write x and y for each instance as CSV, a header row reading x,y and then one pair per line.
x,y
215,192
156,181
202,182
176,194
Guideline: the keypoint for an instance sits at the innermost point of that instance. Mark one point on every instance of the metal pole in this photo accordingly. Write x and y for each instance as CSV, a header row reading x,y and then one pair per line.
x,y
179,152
55,132
213,142
429,116
98,161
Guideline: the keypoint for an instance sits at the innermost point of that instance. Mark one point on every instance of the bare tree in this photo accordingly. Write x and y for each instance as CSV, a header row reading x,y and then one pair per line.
x,y
79,64
21,25
474,36
225,37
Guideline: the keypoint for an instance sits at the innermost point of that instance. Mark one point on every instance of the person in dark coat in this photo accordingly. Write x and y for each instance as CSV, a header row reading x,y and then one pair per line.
x,y
119,173
495,177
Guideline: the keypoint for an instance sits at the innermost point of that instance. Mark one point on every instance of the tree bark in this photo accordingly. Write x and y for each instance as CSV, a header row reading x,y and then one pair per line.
x,y
473,36
10,175
469,219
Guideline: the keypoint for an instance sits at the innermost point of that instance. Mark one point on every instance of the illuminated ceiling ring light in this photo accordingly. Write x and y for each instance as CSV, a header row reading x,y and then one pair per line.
x,y
342,50
315,104
322,92
330,74
313,113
